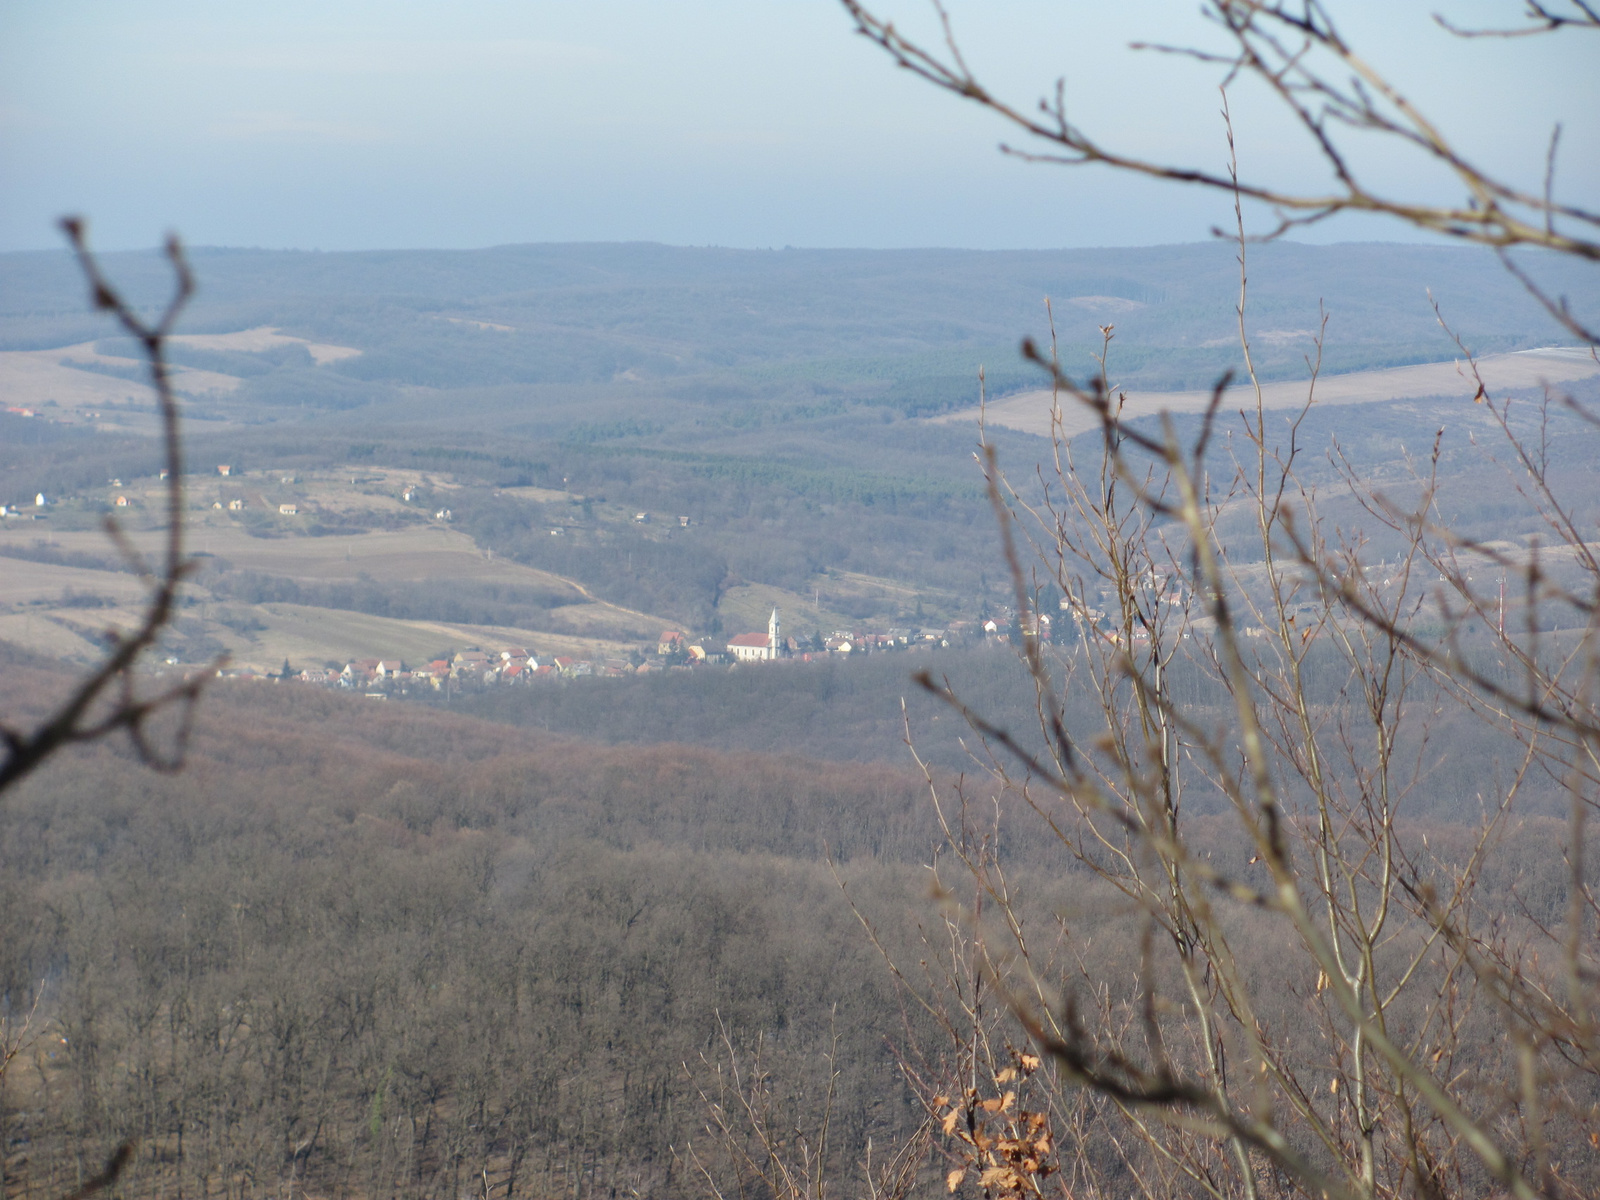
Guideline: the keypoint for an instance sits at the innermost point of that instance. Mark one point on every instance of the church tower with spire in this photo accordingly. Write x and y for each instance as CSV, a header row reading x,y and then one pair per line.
x,y
759,647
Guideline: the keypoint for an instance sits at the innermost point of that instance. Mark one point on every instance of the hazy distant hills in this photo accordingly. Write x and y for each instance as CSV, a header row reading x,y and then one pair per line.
x,y
905,328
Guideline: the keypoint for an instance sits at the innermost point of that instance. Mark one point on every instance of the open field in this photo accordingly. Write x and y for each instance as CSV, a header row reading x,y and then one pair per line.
x,y
309,636
541,495
745,609
423,553
23,582
265,337
80,384
64,609
262,636
1030,412
52,379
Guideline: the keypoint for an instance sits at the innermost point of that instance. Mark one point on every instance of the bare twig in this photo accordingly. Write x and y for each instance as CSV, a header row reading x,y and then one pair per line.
x,y
108,699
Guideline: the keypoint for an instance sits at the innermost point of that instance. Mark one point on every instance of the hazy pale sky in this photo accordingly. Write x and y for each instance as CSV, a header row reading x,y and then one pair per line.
x,y
346,124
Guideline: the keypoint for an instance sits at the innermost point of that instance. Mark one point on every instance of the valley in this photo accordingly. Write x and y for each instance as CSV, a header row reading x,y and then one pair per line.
x,y
514,933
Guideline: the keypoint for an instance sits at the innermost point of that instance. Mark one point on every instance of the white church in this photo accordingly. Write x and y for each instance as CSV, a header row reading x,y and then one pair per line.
x,y
758,647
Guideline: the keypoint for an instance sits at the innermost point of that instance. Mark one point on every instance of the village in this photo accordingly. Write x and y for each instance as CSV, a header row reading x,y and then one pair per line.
x,y
478,669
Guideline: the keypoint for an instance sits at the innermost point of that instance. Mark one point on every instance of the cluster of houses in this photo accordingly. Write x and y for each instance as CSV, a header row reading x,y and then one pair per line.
x,y
514,666
467,669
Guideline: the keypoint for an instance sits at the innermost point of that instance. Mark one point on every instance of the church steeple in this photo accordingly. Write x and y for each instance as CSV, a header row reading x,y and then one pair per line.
x,y
772,634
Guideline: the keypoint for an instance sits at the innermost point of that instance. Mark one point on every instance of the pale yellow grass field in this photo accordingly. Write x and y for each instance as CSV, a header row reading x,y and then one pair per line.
x,y
24,582
422,552
42,632
588,627
47,382
312,636
31,378
34,378
1030,412
306,636
265,337
541,495
584,625
745,609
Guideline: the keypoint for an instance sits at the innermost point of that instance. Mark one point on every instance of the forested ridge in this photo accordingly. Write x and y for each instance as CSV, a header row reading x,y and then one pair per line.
x,y
370,949
366,948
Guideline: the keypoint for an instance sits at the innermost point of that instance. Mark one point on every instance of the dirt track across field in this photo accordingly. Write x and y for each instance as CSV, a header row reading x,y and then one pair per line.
x,y
1031,412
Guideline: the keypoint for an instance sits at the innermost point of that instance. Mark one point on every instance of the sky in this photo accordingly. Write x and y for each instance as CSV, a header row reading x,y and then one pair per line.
x,y
366,124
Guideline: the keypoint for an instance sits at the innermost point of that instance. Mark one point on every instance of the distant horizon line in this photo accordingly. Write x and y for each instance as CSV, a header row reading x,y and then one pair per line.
x,y
210,248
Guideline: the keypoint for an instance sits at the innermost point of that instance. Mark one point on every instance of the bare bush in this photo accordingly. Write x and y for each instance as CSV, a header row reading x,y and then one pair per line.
x,y
1261,975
